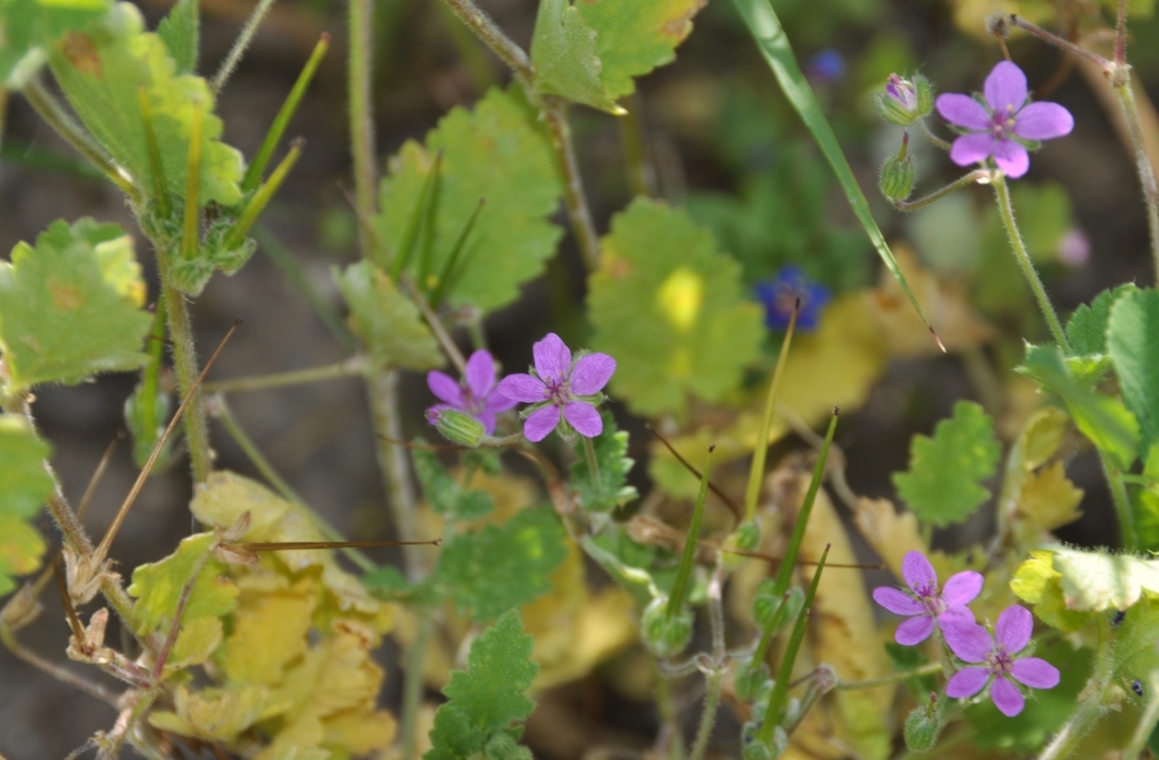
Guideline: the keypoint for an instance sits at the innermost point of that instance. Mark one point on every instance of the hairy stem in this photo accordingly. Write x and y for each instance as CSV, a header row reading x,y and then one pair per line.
x,y
1061,42
412,695
1090,703
494,37
577,204
904,675
58,672
970,178
1006,210
362,114
393,462
1142,162
225,70
934,139
715,684
352,367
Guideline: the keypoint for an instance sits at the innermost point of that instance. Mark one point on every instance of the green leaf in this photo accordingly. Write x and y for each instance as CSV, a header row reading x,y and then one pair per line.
x,y
1145,505
32,25
610,489
385,320
1025,733
494,569
942,485
445,496
670,307
24,487
1087,327
180,31
488,697
101,73
1102,419
1038,582
1090,580
70,307
563,50
158,586
1133,342
499,152
636,37
770,37
1136,654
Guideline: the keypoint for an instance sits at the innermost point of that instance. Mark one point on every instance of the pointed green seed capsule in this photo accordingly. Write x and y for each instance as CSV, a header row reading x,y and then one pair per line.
x,y
460,428
666,634
922,726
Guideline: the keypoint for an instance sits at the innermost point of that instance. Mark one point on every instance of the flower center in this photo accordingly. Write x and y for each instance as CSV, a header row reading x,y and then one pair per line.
x,y
558,391
927,594
999,662
1002,123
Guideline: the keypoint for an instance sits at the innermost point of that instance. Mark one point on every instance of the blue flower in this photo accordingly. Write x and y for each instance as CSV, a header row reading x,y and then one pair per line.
x,y
780,294
827,67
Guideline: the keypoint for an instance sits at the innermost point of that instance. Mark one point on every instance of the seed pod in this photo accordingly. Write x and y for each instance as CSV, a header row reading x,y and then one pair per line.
x,y
460,428
897,178
665,635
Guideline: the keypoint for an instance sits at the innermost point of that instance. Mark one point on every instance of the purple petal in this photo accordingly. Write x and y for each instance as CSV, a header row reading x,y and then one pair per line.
x,y
432,412
914,631
969,641
1007,698
1005,88
552,358
1013,629
1036,672
952,616
480,373
967,682
445,388
897,601
918,572
591,374
963,111
523,388
970,149
497,403
488,420
1043,121
541,422
961,588
584,418
1011,158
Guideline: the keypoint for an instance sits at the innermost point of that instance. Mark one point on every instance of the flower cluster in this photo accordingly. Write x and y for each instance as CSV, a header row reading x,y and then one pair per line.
x,y
991,660
564,392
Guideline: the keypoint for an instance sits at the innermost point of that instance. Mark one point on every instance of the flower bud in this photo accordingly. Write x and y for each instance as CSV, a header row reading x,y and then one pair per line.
x,y
922,726
748,536
765,605
460,428
906,100
749,679
897,178
758,750
663,635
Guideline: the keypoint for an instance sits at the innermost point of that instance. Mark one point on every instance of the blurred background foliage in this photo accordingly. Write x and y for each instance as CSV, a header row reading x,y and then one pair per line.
x,y
717,139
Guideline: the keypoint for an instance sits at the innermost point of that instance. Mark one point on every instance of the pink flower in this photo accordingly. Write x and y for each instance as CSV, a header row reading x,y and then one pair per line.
x,y
560,387
476,396
998,127
972,643
922,603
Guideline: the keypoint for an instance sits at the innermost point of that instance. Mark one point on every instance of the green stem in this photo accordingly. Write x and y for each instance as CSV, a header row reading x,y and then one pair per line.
x,y
493,37
641,172
669,717
1091,708
225,70
1061,42
578,211
412,694
899,677
223,413
1122,501
1142,162
382,388
680,585
715,684
965,180
934,139
593,463
352,367
760,452
1006,210
75,135
361,20
258,201
1147,722
185,363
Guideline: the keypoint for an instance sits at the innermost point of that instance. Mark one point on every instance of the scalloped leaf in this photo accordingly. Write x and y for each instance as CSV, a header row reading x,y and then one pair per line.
x,y
70,307
385,320
1133,343
101,72
670,307
488,697
30,26
24,487
498,152
563,50
158,586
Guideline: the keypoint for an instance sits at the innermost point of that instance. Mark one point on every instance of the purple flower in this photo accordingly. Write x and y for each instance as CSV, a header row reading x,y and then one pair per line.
x,y
999,126
972,643
476,397
560,385
923,604
902,92
780,294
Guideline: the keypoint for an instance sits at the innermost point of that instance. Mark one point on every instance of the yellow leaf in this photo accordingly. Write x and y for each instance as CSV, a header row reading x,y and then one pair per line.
x,y
891,534
1048,501
338,674
842,625
1033,500
946,304
359,732
1037,582
197,640
267,635
212,714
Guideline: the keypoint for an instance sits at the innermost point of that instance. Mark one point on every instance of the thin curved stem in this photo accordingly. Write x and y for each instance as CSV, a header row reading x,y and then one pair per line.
x,y
352,367
1143,163
587,239
225,70
928,669
1022,256
494,37
978,176
929,135
715,684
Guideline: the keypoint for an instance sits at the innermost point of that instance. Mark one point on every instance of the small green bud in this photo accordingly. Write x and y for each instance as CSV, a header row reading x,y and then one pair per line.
x,y
459,427
663,635
765,605
758,750
749,679
748,536
897,178
923,725
906,100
